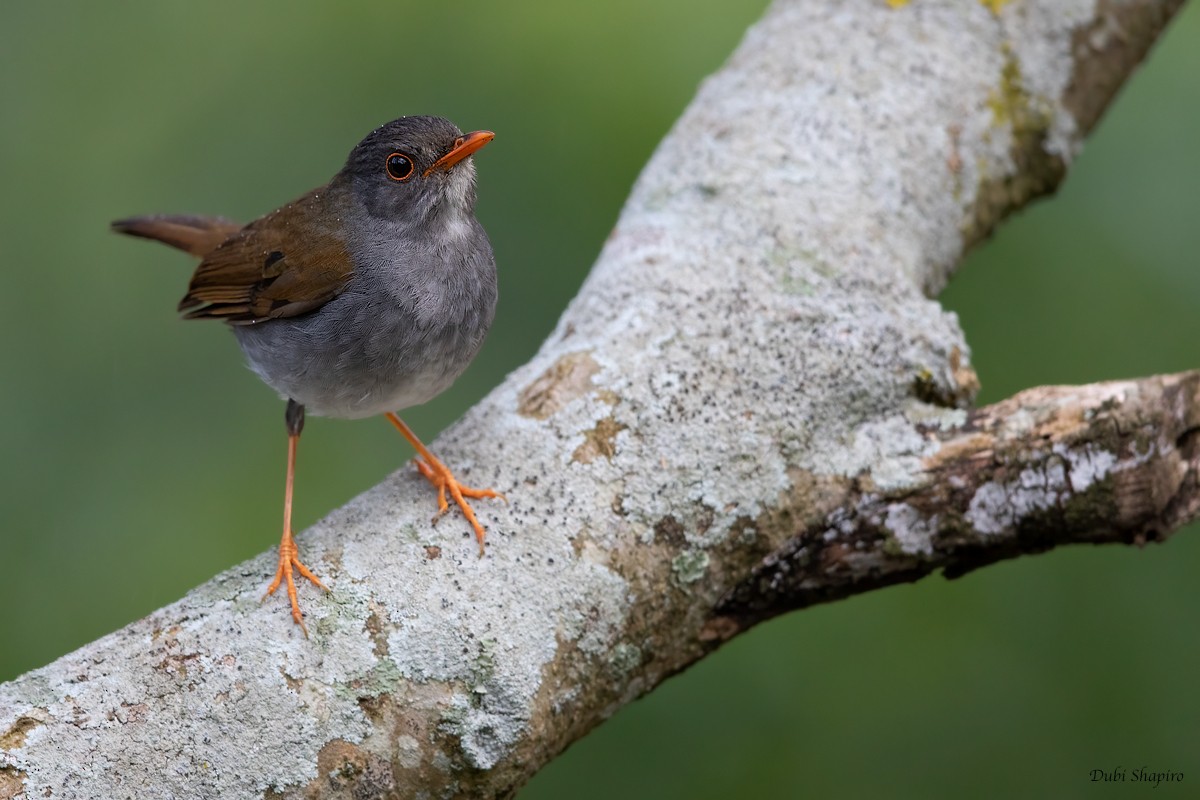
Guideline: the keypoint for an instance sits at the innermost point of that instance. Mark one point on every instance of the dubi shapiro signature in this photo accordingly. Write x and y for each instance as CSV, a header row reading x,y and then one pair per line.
x,y
1139,775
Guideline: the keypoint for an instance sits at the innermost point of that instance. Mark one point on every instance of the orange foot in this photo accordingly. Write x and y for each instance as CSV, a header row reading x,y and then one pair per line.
x,y
443,480
289,558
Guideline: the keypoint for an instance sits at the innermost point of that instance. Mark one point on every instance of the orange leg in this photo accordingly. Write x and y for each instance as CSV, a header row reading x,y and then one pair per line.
x,y
443,480
289,554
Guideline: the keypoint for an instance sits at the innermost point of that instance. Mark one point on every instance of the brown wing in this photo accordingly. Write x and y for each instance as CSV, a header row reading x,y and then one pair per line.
x,y
196,235
289,262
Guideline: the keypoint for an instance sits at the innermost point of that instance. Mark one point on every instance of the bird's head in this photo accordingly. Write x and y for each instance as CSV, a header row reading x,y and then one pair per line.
x,y
413,168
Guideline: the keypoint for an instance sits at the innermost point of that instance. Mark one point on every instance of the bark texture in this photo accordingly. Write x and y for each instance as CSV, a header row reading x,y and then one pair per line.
x,y
752,405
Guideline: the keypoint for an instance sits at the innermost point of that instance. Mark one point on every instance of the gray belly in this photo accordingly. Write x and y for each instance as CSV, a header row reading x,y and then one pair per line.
x,y
365,353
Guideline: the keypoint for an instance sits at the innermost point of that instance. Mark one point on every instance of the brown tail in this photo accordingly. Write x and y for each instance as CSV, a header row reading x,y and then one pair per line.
x,y
196,235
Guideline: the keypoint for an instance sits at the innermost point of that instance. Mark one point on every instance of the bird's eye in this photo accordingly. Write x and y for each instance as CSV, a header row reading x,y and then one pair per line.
x,y
399,167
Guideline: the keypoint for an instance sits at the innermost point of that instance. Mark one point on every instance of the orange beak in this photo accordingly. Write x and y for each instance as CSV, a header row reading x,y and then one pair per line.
x,y
463,146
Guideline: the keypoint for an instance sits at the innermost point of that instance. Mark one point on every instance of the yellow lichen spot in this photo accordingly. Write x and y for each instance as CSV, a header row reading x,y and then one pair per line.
x,y
993,6
897,3
1009,103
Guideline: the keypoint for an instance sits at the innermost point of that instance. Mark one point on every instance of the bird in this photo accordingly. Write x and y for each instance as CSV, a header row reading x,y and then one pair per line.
x,y
363,297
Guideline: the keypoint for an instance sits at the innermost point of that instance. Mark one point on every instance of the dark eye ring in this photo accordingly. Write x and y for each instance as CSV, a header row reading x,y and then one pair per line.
x,y
399,167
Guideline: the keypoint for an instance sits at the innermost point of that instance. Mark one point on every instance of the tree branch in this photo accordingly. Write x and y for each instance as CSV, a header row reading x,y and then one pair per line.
x,y
751,406
1114,462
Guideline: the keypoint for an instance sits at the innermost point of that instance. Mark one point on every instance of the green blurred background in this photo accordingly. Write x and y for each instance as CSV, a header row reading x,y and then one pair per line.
x,y
138,457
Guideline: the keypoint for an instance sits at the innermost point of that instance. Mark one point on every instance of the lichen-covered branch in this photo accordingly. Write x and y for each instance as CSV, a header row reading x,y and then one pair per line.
x,y
752,405
1115,462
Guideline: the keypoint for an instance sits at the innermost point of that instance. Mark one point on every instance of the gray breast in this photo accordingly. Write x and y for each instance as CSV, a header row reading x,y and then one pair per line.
x,y
406,326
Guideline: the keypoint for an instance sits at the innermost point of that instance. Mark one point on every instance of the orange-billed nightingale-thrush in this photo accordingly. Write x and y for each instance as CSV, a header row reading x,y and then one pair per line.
x,y
365,296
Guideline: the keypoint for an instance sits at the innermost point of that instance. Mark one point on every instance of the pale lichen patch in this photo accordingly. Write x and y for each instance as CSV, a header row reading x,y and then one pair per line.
x,y
623,659
408,751
913,532
1088,465
890,451
935,417
689,567
485,730
997,505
